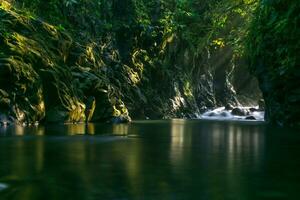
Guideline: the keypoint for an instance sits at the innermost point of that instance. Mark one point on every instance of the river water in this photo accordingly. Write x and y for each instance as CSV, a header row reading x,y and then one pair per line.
x,y
168,159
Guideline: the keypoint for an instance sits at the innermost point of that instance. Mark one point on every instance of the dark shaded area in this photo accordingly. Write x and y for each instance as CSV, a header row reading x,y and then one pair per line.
x,y
273,49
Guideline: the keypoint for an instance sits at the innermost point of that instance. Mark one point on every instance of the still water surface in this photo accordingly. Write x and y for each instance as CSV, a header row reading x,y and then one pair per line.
x,y
171,159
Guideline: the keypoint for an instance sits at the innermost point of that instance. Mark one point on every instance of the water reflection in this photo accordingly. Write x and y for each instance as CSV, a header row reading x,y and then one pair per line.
x,y
174,159
222,152
67,129
120,129
20,130
91,128
218,139
76,129
180,137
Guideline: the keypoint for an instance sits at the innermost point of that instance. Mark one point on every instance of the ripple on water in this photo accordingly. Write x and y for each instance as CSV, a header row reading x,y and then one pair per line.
x,y
3,186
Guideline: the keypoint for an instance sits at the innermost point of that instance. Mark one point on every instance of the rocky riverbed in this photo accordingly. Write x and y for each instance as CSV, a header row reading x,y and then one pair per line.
x,y
237,113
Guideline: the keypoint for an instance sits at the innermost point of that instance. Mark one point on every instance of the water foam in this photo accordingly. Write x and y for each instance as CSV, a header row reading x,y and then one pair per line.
x,y
223,114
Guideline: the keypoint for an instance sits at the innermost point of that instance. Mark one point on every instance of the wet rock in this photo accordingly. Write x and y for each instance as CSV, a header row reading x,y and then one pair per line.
x,y
239,112
203,109
254,110
212,114
250,118
261,105
90,108
225,114
228,107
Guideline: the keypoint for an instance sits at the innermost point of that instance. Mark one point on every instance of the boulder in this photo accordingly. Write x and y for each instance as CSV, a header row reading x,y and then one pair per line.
x,y
225,114
228,107
203,109
212,114
254,110
250,118
239,112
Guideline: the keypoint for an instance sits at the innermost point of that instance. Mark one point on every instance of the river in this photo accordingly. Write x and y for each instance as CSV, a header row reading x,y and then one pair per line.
x,y
167,159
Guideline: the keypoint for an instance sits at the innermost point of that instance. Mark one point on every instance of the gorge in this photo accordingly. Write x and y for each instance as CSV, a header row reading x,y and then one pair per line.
x,y
210,88
140,59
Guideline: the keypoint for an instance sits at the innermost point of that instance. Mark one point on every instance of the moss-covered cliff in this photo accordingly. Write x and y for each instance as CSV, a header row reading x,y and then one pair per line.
x,y
65,61
273,49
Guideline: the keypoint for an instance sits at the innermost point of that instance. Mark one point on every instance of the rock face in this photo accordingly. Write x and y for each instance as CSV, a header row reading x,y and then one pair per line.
x,y
273,48
46,74
250,118
49,69
228,107
239,112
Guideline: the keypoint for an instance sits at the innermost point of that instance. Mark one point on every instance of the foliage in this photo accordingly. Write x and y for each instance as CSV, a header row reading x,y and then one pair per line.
x,y
137,57
273,48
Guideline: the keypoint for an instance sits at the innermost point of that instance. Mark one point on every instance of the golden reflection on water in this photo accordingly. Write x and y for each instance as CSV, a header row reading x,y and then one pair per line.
x,y
67,129
177,133
120,129
40,130
227,148
39,155
240,141
244,147
19,130
91,128
179,137
234,146
76,129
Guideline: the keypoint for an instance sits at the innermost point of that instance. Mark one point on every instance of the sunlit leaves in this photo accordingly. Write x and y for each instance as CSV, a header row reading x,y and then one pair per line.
x,y
219,42
5,5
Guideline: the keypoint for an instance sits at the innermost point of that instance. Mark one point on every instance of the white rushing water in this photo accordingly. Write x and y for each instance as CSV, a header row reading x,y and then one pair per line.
x,y
223,114
3,186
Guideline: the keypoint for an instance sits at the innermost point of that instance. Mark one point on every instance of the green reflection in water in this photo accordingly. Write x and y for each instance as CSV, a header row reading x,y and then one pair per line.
x,y
175,159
